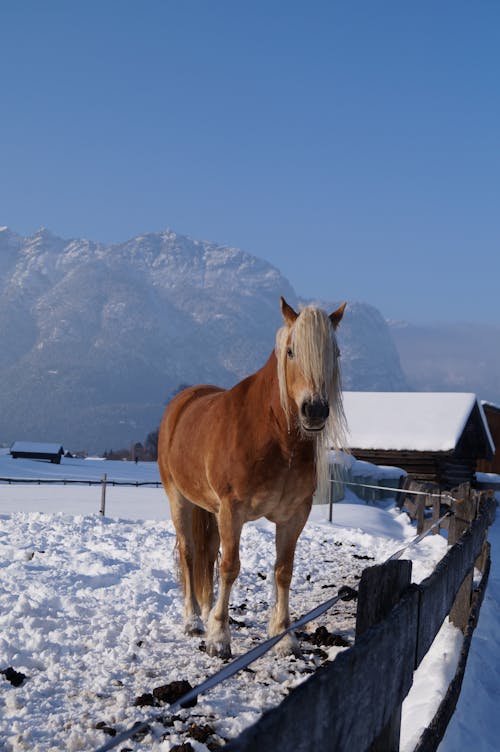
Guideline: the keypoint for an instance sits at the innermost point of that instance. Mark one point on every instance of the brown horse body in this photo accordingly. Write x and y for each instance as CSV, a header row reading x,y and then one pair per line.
x,y
230,456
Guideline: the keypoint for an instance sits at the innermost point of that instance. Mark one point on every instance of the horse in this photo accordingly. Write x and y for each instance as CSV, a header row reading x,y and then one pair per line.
x,y
258,449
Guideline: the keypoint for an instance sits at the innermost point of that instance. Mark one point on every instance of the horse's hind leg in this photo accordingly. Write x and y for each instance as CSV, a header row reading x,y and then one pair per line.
x,y
182,514
205,578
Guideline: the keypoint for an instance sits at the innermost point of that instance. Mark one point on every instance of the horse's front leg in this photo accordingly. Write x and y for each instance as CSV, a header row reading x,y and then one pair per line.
x,y
287,534
218,640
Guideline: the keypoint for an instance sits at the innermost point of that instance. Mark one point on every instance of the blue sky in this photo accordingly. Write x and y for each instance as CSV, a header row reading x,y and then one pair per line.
x,y
355,145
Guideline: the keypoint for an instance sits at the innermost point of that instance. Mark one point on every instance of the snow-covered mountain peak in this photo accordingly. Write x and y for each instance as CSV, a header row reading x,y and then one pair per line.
x,y
94,337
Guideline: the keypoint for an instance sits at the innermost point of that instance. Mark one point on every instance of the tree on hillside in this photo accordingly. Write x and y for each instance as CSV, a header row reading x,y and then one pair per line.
x,y
175,391
151,444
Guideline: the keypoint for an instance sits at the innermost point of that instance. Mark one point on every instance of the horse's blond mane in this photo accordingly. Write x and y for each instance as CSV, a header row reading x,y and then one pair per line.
x,y
315,351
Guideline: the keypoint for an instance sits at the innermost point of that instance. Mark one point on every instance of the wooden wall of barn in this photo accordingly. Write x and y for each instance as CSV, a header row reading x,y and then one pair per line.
x,y
443,468
493,417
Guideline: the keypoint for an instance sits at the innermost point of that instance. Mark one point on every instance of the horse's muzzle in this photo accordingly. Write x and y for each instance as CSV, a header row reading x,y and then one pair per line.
x,y
314,413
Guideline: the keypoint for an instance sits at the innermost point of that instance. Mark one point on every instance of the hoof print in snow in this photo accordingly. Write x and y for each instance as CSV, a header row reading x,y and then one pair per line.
x,y
109,730
144,700
172,692
321,636
186,747
201,733
16,678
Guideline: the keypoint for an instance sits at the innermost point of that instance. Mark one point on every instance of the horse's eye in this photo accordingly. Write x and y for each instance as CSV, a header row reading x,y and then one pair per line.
x,y
289,352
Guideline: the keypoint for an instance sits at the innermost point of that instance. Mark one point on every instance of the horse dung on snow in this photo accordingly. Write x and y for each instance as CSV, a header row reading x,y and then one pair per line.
x,y
227,456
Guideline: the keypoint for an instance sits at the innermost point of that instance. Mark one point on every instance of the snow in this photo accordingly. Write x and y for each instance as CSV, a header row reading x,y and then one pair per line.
x,y
35,446
420,421
487,403
90,611
476,722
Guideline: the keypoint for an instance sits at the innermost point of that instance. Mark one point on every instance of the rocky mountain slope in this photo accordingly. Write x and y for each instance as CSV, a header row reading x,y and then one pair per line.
x,y
95,338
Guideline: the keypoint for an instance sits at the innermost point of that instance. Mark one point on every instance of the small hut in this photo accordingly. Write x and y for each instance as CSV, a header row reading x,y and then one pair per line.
x,y
433,436
492,413
35,450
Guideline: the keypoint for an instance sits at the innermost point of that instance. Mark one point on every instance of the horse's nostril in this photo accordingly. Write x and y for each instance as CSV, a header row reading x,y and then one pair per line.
x,y
316,409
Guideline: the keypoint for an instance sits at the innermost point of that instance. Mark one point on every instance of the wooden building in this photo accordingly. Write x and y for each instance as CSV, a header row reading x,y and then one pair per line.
x,y
492,413
433,436
37,451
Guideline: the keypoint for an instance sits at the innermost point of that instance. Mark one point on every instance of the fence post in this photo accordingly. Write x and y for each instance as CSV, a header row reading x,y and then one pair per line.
x,y
330,492
420,513
436,512
464,509
380,588
482,498
103,494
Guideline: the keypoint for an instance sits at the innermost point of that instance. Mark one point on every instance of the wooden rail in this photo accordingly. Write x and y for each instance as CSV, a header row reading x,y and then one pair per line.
x,y
354,704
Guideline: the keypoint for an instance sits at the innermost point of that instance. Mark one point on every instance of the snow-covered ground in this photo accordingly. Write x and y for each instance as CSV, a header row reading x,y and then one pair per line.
x,y
90,612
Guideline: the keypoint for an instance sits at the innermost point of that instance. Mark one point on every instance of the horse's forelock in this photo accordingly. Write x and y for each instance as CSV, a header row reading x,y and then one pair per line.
x,y
314,345
312,341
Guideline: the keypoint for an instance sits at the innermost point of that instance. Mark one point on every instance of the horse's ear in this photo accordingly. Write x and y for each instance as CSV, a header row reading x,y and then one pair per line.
x,y
336,316
287,311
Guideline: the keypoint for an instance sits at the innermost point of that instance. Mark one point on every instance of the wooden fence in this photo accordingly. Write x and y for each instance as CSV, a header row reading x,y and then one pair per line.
x,y
354,703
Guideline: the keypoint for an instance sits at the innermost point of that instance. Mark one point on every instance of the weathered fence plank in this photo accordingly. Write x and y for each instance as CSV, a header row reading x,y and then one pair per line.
x,y
348,704
380,588
464,510
439,590
345,705
431,737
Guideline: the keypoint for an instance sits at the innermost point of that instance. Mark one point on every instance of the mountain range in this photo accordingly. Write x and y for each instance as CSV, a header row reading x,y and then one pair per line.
x,y
461,357
95,338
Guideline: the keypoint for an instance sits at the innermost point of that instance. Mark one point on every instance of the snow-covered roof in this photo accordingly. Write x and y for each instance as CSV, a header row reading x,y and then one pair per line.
x,y
417,421
34,447
493,405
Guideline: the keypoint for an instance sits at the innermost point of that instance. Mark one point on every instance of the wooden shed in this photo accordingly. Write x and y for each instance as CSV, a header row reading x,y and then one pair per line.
x,y
434,436
492,413
37,451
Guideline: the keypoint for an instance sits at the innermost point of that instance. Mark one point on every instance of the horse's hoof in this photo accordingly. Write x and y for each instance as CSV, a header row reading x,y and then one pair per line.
x,y
194,627
219,650
194,631
289,645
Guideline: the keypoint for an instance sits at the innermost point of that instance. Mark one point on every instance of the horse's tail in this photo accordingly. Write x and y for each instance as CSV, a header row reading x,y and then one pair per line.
x,y
206,548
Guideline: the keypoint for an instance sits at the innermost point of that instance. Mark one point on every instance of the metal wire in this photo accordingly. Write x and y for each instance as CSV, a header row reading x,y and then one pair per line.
x,y
345,593
137,483
81,482
238,664
442,495
243,661
421,536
